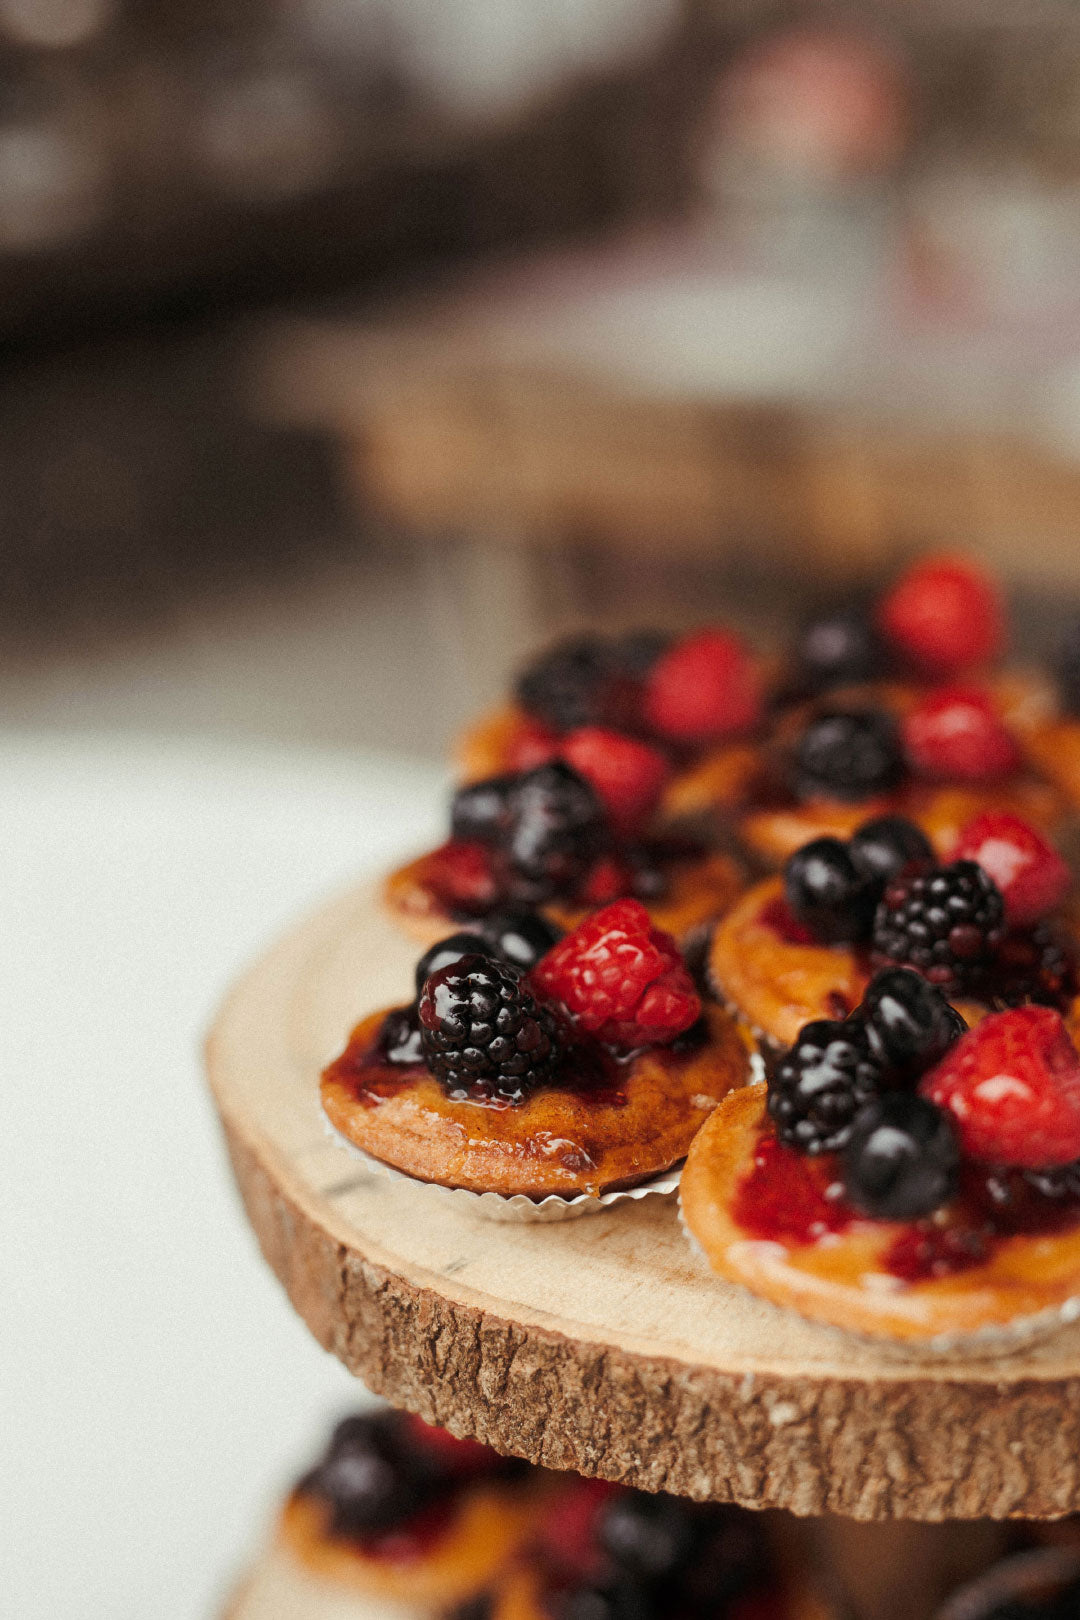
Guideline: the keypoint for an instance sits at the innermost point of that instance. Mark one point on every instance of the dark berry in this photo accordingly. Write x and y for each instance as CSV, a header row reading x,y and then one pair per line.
x,y
909,1024
1069,670
947,922
519,936
619,1599
889,845
731,1555
838,649
588,681
557,829
818,1087
901,1158
466,942
1060,1182
480,811
827,893
646,1535
484,1035
848,756
364,1479
637,651
399,1039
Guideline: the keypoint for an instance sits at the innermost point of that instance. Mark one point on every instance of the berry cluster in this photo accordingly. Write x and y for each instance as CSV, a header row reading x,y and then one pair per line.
x,y
834,888
542,829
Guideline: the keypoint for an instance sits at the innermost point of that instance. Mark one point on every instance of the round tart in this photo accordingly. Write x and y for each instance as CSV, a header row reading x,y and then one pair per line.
x,y
602,1124
777,1223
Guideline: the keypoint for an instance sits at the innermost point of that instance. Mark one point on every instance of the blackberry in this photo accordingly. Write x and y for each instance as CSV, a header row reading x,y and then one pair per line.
x,y
901,1158
365,1478
828,893
1063,1181
848,756
466,942
947,923
889,845
909,1024
588,681
480,811
838,649
818,1087
1068,670
484,1036
646,1535
617,1599
1030,965
519,936
557,827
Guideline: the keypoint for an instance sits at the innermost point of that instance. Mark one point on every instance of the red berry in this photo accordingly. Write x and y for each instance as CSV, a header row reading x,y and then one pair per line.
x,y
567,1528
607,879
1027,869
620,979
1012,1086
945,614
461,873
531,745
628,775
958,735
457,1456
706,686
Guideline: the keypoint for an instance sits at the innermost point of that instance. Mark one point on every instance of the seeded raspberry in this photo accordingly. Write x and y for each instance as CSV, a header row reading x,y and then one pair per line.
x,y
957,735
620,979
628,776
944,614
1012,1086
706,686
1028,870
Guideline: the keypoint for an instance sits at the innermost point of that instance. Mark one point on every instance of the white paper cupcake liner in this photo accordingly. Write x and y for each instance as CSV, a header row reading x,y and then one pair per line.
x,y
493,1206
985,1343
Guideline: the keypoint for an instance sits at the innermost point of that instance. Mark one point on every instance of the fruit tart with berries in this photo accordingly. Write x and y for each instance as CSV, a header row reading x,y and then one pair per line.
x,y
527,1067
401,1511
562,840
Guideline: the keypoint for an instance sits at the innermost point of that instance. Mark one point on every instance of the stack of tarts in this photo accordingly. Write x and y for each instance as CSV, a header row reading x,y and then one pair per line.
x,y
398,1517
910,1167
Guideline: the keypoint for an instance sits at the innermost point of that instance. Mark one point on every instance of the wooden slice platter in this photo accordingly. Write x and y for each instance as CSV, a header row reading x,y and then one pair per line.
x,y
602,1344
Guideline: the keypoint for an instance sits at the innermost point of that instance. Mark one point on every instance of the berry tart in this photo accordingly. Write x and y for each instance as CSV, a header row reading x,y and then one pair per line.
x,y
405,1513
575,1071
562,840
604,1552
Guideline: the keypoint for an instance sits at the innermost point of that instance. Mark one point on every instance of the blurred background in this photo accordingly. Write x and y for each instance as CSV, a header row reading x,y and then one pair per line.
x,y
348,348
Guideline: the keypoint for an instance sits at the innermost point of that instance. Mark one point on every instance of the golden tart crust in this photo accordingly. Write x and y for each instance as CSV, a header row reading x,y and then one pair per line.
x,y
841,1277
487,1525
557,1141
774,985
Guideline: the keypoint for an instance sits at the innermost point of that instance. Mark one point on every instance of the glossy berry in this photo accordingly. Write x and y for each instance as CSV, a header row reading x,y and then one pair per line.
x,y
463,875
480,811
901,1158
837,650
828,894
520,936
1012,1086
848,756
627,775
883,848
484,1036
645,1535
957,735
364,1478
944,615
617,1598
571,684
620,979
1028,870
556,829
705,687
399,1038
451,949
945,923
909,1024
817,1088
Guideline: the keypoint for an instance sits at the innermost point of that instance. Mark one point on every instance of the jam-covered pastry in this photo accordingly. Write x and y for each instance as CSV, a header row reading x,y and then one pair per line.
x,y
900,1174
549,839
588,1071
398,1510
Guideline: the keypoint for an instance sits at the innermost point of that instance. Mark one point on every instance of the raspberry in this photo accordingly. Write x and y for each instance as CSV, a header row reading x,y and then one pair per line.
x,y
946,923
1030,873
461,874
483,1034
628,776
606,880
817,1089
1012,1086
945,614
956,734
620,979
567,1531
706,686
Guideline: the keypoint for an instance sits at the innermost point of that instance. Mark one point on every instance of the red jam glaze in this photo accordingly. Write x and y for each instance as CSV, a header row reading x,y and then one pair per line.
x,y
778,916
413,1539
788,1198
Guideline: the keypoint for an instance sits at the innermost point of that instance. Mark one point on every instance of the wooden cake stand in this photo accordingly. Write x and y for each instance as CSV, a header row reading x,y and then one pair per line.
x,y
601,1344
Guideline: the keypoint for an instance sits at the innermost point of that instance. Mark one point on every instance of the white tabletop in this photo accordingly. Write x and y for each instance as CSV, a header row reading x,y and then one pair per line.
x,y
156,1390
